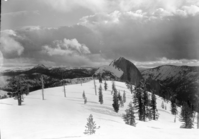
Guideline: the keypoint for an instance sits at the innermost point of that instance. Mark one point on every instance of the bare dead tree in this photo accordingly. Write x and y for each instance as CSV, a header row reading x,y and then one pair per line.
x,y
95,86
42,85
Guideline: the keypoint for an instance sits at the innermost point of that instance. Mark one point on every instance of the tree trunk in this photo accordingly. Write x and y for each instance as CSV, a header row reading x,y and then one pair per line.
x,y
95,87
42,84
175,119
144,114
154,115
194,114
19,99
198,121
19,93
64,91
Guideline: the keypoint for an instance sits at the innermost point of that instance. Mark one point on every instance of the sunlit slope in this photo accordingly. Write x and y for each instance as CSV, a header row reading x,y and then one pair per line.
x,y
58,117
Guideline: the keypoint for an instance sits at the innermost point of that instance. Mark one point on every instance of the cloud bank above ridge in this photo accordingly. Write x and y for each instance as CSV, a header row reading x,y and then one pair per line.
x,y
142,31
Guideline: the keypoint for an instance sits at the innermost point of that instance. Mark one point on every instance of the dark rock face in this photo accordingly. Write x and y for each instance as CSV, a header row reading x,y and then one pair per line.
x,y
130,72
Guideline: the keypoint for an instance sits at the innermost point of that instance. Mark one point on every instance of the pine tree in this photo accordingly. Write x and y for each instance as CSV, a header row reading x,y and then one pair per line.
x,y
115,101
150,114
85,100
138,101
154,107
83,95
129,117
131,88
105,85
113,87
90,126
119,96
162,105
146,105
174,110
186,116
127,85
121,102
17,88
100,95
124,97
100,79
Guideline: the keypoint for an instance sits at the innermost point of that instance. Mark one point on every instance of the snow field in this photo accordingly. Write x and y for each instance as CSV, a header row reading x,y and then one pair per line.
x,y
58,117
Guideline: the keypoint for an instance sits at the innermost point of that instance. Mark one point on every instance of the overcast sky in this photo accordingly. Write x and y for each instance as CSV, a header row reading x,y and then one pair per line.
x,y
77,33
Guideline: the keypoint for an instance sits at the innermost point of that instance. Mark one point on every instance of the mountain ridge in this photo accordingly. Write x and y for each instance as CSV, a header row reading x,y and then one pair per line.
x,y
130,73
182,81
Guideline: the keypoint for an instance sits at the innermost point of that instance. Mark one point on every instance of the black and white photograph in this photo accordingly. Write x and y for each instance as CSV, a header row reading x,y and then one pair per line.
x,y
99,69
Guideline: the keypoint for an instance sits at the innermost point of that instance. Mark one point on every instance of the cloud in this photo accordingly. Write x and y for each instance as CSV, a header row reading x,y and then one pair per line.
x,y
73,45
66,47
138,35
107,6
165,61
9,46
146,37
55,46
68,5
20,62
70,52
20,13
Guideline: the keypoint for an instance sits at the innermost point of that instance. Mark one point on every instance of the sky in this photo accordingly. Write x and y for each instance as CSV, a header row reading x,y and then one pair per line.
x,y
91,33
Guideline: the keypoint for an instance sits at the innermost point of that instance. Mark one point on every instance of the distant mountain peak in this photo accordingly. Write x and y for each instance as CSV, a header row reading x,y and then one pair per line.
x,y
120,59
40,66
123,69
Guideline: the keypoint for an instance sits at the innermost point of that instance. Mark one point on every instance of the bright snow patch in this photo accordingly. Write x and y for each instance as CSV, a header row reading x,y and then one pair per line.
x,y
58,117
115,71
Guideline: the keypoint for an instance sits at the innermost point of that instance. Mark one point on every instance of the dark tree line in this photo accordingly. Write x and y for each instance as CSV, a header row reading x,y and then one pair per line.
x,y
174,109
145,106
186,116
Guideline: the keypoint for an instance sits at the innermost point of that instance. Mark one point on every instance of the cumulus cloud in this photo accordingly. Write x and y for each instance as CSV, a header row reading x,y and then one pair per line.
x,y
55,46
107,6
140,30
9,46
72,45
71,53
66,47
143,37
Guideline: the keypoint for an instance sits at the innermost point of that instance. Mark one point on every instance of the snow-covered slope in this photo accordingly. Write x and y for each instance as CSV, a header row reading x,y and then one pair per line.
x,y
58,117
